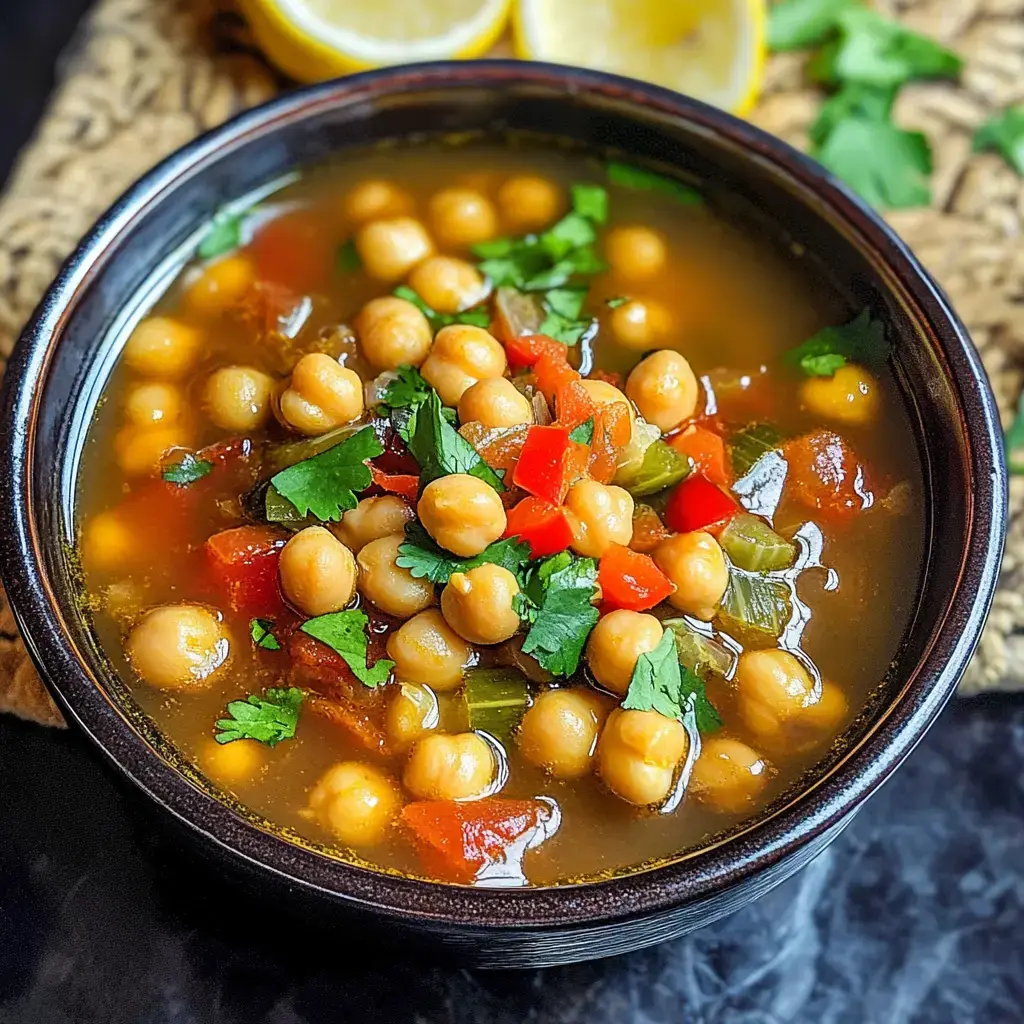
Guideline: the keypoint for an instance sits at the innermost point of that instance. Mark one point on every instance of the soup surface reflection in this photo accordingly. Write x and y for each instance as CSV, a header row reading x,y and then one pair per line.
x,y
500,516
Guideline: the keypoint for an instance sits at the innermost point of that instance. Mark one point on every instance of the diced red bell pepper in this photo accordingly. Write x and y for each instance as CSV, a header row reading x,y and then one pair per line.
x,y
612,431
707,451
526,349
456,840
697,504
406,485
294,250
825,474
542,525
551,373
631,580
573,405
546,463
243,563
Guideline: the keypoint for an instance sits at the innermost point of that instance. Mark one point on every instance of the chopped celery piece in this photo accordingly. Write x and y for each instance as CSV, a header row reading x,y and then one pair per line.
x,y
288,453
278,509
755,609
662,467
753,545
703,654
496,700
746,446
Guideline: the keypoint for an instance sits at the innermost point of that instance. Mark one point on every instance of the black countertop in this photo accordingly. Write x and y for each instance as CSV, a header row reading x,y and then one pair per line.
x,y
915,914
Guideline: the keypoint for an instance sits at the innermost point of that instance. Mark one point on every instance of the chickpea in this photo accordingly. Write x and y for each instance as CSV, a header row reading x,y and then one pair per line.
x,y
234,762
529,203
318,573
447,285
154,403
412,713
237,398
427,650
219,286
638,753
694,562
601,515
636,252
355,802
179,647
640,323
139,450
443,767
371,519
394,590
728,776
462,217
664,389
390,248
495,402
462,355
109,542
462,513
321,395
850,396
162,347
559,732
616,643
777,700
376,199
393,331
478,604
600,392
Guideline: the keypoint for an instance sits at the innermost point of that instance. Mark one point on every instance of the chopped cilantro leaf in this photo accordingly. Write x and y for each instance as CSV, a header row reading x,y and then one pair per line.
x,y
628,176
223,235
660,683
616,301
868,102
441,450
1005,133
347,258
584,433
345,633
796,24
268,719
327,484
557,606
187,471
424,559
590,201
562,307
571,232
408,389
474,317
862,339
260,631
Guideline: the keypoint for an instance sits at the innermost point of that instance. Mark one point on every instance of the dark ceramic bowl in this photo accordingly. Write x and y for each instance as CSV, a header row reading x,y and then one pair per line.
x,y
66,353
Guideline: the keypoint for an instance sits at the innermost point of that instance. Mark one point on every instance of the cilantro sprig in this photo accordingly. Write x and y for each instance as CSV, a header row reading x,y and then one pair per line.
x,y
556,605
407,390
262,637
474,317
424,559
347,259
224,233
345,633
187,470
268,719
327,484
862,339
660,683
638,178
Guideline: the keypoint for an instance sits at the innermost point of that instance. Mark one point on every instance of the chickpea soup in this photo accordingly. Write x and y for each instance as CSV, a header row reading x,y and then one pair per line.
x,y
500,516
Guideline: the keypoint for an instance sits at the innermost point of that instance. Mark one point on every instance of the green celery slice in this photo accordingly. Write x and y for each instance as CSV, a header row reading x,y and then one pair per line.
x,y
755,609
496,700
288,453
704,655
747,445
662,467
753,545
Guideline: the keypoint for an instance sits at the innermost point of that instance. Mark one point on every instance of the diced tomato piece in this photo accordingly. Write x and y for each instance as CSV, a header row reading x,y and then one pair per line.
x,y
697,504
545,464
456,840
825,474
406,485
707,451
542,525
243,562
612,431
648,529
608,376
528,348
631,580
552,372
294,250
360,723
573,405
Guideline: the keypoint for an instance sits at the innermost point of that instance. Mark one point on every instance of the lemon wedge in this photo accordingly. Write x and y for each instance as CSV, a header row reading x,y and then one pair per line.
x,y
316,39
713,50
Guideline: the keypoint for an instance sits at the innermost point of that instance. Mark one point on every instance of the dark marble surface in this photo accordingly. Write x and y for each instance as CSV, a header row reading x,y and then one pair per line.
x,y
915,914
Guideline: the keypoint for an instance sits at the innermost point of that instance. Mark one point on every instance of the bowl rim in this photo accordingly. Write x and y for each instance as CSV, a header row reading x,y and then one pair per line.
x,y
812,813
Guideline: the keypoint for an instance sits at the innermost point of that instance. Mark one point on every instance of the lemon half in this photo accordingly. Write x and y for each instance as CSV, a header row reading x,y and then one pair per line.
x,y
713,50
316,39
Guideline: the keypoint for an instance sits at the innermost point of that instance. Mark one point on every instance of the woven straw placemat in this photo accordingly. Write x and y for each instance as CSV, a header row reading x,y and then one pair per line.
x,y
145,76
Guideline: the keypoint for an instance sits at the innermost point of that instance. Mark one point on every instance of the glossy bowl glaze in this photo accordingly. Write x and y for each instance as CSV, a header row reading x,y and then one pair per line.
x,y
66,354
